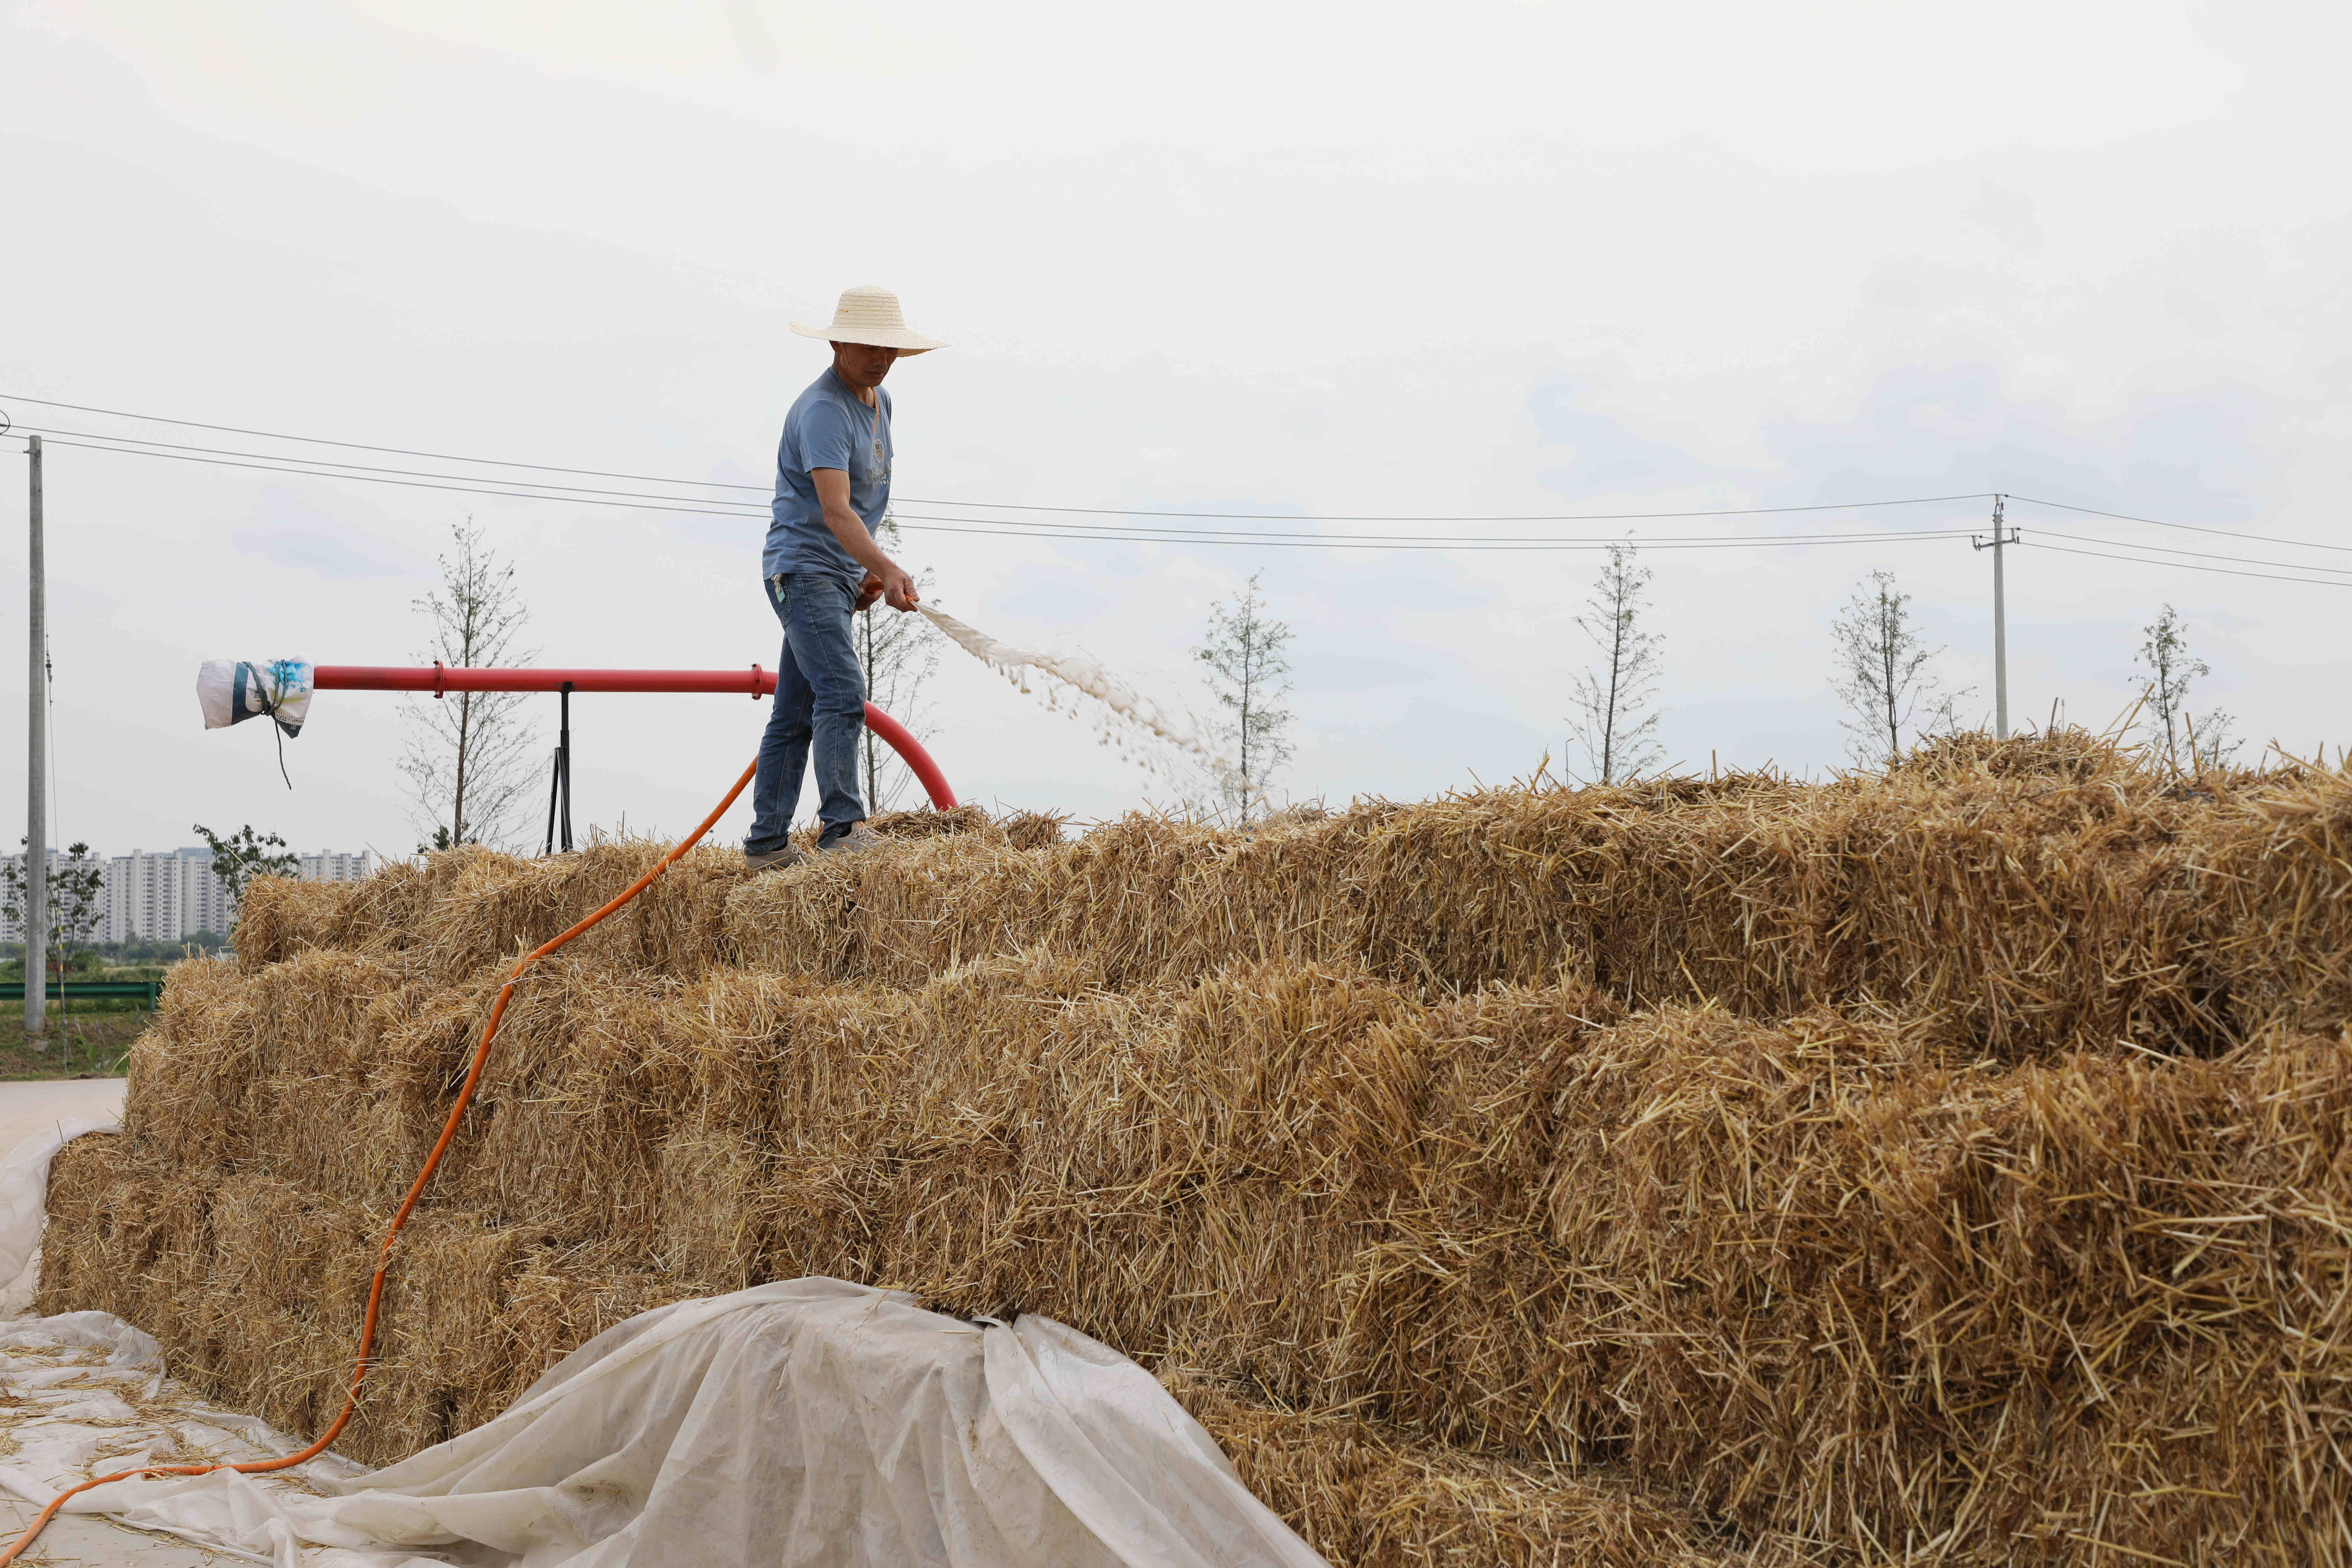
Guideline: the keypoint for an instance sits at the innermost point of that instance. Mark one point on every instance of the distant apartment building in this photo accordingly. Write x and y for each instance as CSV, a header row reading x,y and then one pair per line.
x,y
163,895
335,866
169,895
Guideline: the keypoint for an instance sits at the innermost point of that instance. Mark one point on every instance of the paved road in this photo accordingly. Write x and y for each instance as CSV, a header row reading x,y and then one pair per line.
x,y
28,1105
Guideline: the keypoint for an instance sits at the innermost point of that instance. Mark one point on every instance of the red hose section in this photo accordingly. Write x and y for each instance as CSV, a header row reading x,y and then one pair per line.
x,y
416,1190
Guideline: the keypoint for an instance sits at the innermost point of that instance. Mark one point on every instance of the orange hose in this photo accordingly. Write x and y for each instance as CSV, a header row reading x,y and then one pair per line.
x,y
416,1190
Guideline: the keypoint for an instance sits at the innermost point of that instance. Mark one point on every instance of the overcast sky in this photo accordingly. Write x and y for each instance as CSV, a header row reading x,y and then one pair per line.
x,y
1322,262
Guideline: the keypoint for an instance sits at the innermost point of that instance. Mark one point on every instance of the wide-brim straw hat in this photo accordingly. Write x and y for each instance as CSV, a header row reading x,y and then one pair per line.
x,y
870,315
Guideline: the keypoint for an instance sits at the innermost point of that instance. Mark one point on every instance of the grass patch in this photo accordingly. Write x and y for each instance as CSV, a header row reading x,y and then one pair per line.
x,y
78,1044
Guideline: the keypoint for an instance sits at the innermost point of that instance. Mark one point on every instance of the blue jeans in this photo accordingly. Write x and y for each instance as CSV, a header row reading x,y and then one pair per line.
x,y
819,698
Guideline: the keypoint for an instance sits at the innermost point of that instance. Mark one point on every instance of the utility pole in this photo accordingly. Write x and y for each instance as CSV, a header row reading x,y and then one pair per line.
x,y
2000,620
37,771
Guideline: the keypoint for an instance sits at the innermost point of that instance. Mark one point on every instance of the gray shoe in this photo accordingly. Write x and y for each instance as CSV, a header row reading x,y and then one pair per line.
x,y
772,860
848,840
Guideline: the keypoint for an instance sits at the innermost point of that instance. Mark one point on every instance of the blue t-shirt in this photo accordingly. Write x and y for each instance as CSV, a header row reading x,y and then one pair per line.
x,y
827,428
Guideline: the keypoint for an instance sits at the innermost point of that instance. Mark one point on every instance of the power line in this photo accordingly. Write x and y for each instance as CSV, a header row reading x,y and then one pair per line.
x,y
2224,571
365,447
2242,560
992,506
1503,517
1135,512
137,447
2188,527
1046,527
357,469
407,484
1043,528
1766,541
1015,528
1319,536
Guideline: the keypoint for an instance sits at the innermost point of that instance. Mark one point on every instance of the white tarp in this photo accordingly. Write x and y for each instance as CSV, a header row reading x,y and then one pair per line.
x,y
810,1422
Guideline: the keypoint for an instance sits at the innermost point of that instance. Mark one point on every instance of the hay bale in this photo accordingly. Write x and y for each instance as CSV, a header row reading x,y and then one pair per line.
x,y
1946,1163
1821,1281
1181,1170
2028,909
458,911
257,1286
2034,900
110,1233
259,1337
1365,1496
280,915
1819,1277
318,1022
570,1116
193,1072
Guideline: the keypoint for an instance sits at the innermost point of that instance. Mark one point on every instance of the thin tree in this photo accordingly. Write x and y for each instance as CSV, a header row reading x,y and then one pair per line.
x,y
1251,675
1615,721
897,654
468,754
2204,739
1885,674
77,896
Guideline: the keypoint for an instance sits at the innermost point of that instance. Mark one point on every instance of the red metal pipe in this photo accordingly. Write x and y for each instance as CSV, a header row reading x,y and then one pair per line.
x,y
750,681
753,682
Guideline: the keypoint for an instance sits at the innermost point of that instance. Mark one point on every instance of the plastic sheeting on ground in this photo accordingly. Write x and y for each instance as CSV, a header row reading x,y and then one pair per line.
x,y
810,1422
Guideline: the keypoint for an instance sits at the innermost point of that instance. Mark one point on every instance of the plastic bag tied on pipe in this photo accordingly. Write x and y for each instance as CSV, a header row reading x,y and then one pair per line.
x,y
233,690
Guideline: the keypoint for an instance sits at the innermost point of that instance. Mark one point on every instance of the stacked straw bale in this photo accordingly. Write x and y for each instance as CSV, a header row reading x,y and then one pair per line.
x,y
1949,1166
2056,901
1362,1497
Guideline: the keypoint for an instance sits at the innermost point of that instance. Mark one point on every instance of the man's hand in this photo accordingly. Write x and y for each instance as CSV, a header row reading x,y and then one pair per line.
x,y
898,589
868,591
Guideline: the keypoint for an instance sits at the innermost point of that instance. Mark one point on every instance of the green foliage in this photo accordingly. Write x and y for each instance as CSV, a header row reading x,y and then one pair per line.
x,y
98,961
244,855
159,955
129,960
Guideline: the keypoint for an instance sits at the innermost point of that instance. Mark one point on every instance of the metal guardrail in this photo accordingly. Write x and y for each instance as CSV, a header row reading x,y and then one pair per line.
x,y
148,990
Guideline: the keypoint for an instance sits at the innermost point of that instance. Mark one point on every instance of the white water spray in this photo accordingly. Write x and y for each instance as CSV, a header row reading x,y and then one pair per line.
x,y
1122,717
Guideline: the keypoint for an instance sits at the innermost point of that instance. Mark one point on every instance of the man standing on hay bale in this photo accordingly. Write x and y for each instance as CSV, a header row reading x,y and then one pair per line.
x,y
822,565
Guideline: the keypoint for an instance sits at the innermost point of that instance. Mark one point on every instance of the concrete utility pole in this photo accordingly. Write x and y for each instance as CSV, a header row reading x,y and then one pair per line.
x,y
2000,621
37,823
